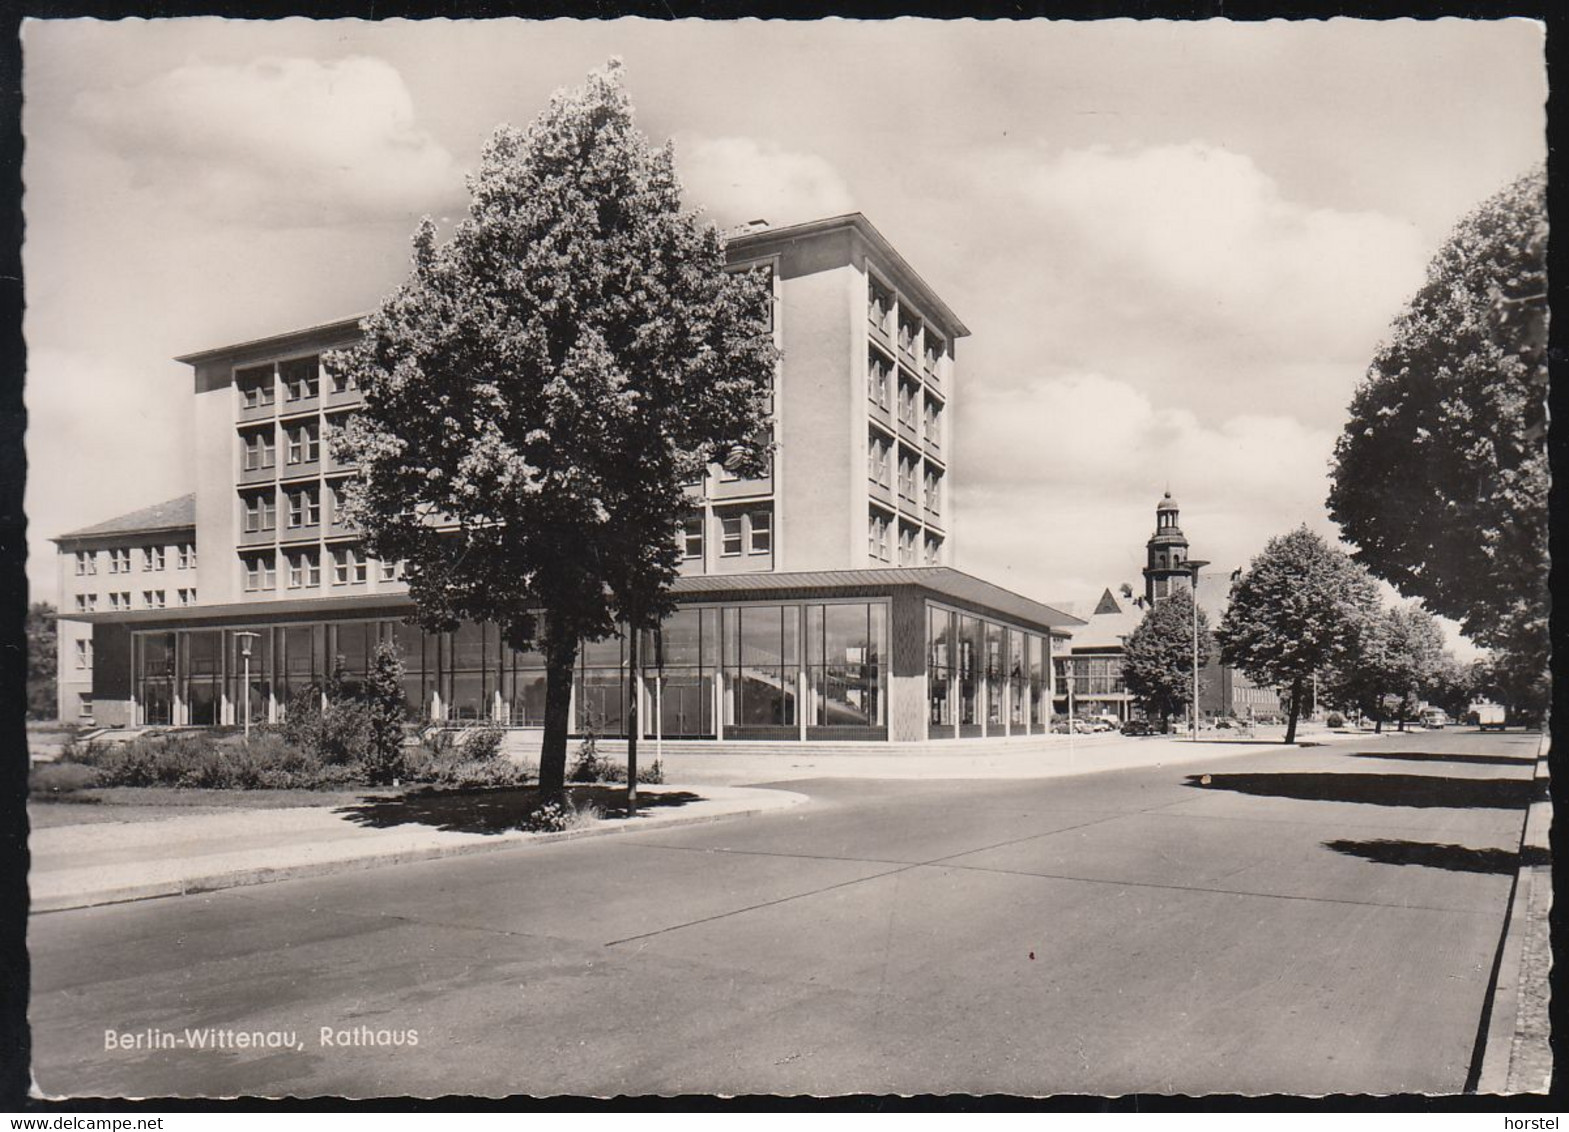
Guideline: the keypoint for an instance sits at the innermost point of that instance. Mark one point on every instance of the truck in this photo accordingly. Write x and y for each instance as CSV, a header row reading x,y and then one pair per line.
x,y
1488,715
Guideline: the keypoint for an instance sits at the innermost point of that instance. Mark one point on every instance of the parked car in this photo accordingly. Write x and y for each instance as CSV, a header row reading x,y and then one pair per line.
x,y
1436,719
1104,723
1139,727
1224,724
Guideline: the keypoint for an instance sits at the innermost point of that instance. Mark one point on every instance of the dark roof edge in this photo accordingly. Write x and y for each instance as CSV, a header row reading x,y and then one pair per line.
x,y
275,341
88,536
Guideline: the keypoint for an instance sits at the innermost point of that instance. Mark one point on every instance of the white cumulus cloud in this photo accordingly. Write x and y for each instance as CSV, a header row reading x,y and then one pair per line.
x,y
735,179
276,141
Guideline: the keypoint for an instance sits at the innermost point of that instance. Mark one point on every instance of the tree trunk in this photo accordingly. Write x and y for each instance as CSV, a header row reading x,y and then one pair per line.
x,y
560,659
1296,706
632,729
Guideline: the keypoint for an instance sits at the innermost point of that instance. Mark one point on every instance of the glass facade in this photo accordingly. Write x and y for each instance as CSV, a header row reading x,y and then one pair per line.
x,y
984,678
789,670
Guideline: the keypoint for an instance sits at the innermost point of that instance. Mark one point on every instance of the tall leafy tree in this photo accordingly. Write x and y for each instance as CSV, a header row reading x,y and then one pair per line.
x,y
1157,660
542,386
42,661
1441,475
1300,607
1397,658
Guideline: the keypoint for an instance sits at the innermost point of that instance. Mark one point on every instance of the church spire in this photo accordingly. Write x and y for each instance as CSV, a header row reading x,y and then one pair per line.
x,y
1166,552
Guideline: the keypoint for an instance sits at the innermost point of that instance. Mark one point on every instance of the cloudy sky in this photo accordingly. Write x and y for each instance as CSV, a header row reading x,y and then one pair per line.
x,y
1176,245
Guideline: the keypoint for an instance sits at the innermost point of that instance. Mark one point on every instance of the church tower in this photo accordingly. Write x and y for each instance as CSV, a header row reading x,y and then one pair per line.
x,y
1166,553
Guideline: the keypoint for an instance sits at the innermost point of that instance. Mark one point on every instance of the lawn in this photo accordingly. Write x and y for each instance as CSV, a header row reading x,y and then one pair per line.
x,y
153,803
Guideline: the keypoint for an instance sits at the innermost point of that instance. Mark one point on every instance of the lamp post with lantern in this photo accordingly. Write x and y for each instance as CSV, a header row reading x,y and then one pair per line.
x,y
246,640
1194,565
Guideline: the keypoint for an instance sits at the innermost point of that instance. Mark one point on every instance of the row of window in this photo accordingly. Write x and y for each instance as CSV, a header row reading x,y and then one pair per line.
x,y
740,532
299,377
350,567
879,383
879,464
303,505
914,548
120,600
153,558
302,444
880,306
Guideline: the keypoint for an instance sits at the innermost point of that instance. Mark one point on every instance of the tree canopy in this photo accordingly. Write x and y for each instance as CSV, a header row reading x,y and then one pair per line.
x,y
41,661
544,385
1441,476
1157,661
1301,606
1398,653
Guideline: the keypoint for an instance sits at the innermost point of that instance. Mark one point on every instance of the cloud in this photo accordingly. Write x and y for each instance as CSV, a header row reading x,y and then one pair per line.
x,y
735,179
100,443
276,141
1074,514
1185,265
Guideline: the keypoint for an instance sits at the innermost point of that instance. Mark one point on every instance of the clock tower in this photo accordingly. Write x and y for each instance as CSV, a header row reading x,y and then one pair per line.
x,y
1166,565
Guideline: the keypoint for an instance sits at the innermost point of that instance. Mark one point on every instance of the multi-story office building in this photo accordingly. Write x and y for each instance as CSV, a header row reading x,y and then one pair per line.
x,y
816,602
145,560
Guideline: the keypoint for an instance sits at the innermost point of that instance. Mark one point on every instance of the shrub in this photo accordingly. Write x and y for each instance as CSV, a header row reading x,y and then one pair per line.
x,y
452,767
1335,719
560,815
383,709
483,743
200,760
50,780
592,768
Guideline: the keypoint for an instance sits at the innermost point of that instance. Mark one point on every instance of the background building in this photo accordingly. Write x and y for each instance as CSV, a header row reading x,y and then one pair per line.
x,y
143,560
816,602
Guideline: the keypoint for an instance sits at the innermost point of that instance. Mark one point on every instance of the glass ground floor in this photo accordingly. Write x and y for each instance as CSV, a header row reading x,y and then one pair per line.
x,y
829,668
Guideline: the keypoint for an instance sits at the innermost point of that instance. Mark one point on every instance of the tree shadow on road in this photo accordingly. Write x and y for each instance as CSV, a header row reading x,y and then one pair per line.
x,y
1454,858
1419,790
1444,757
496,811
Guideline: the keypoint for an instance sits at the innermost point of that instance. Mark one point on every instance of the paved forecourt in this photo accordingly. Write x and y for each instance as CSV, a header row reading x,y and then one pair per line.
x,y
1320,920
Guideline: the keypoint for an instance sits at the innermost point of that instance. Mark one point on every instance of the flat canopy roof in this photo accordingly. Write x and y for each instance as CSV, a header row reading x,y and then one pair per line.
x,y
942,582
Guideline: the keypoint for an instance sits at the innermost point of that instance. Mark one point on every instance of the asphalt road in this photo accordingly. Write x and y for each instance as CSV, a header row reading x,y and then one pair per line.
x,y
1311,921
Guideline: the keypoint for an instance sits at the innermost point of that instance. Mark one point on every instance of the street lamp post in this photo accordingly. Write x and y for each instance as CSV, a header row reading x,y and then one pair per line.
x,y
245,641
1194,565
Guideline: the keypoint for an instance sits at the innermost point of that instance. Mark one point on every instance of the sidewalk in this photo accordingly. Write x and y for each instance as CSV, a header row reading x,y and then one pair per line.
x,y
80,866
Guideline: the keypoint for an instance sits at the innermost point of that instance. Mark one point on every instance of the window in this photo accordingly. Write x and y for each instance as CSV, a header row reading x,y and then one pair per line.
x,y
86,603
304,508
304,444
877,537
343,383
877,453
761,533
339,498
120,600
907,540
153,599
185,596
86,562
932,556
932,351
909,331
261,572
261,512
152,558
933,423
907,398
878,371
84,653
879,302
348,567
301,378
255,386
906,476
933,492
304,569
86,710
691,536
187,556
730,535
391,571
261,450
120,561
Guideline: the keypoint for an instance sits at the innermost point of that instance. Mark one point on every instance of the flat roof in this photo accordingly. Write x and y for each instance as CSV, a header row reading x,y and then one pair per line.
x,y
910,279
171,515
939,581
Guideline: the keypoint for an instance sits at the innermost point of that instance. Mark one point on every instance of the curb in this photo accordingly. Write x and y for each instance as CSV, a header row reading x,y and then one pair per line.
x,y
1503,1020
244,878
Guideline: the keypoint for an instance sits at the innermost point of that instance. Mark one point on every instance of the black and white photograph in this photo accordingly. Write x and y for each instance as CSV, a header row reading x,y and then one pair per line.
x,y
745,558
